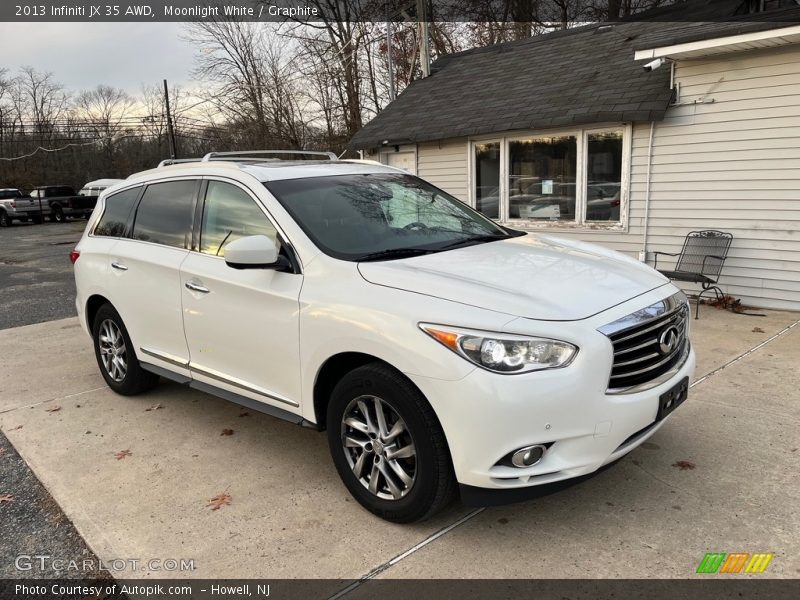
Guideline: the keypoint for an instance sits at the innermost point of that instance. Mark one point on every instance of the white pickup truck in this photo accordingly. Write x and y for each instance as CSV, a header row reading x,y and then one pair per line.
x,y
16,206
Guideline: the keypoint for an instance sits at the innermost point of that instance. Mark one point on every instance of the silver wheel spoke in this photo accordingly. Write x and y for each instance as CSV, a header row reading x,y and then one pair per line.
x,y
359,466
397,429
113,353
383,430
365,412
393,487
351,442
401,473
356,424
404,452
373,479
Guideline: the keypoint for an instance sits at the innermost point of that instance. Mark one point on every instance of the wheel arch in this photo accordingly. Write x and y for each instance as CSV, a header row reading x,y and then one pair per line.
x,y
93,304
332,371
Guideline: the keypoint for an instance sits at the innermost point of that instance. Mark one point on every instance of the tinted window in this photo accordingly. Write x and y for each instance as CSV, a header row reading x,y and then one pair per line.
x,y
115,215
164,215
60,190
229,214
6,194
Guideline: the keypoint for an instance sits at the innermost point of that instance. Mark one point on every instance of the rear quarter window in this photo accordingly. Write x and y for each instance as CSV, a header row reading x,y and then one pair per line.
x,y
117,210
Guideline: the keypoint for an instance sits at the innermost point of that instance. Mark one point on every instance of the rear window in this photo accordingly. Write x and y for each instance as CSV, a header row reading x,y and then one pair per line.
x,y
6,194
164,215
115,216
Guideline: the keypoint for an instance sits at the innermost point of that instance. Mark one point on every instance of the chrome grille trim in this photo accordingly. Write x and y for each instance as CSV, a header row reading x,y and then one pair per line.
x,y
644,365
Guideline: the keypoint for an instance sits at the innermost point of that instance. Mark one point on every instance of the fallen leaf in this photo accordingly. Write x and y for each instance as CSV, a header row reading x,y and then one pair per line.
x,y
684,465
219,501
54,408
154,407
758,330
244,414
7,498
227,432
122,454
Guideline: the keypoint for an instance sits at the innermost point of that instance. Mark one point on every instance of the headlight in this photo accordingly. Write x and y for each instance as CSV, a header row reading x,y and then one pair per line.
x,y
503,352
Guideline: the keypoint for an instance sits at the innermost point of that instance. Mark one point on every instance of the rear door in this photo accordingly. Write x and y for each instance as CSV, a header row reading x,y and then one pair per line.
x,y
145,272
241,325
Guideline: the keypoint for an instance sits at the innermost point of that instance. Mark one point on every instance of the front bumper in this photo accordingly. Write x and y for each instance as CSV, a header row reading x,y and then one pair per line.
x,y
486,416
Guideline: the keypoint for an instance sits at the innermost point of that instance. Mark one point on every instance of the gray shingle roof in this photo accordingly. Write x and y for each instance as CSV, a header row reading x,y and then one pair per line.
x,y
573,77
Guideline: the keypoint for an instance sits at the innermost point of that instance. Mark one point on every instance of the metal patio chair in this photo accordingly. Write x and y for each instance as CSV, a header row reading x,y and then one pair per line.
x,y
700,261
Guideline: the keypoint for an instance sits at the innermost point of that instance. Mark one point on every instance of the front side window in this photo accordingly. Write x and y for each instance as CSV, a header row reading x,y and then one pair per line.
x,y
230,213
380,216
164,215
115,215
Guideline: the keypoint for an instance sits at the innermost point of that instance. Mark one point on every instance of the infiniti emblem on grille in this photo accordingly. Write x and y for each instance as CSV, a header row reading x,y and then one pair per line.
x,y
668,340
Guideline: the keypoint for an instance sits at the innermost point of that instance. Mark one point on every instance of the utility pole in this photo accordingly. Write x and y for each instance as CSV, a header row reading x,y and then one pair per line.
x,y
424,48
173,144
389,53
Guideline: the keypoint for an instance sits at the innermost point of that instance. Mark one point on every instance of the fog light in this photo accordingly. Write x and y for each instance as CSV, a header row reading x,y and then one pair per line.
x,y
528,456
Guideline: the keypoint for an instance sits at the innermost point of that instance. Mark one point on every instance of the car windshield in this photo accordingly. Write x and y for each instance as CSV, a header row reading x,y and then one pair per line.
x,y
381,216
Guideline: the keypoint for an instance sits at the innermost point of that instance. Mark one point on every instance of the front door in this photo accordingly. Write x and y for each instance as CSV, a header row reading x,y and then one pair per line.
x,y
241,325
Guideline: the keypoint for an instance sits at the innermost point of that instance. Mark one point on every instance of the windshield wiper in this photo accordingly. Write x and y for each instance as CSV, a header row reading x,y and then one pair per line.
x,y
394,253
476,239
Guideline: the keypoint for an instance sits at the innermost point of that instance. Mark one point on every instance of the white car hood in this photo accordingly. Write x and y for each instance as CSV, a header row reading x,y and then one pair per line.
x,y
533,276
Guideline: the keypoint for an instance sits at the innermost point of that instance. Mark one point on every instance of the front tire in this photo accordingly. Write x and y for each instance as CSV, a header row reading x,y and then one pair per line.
x,y
388,445
58,215
116,356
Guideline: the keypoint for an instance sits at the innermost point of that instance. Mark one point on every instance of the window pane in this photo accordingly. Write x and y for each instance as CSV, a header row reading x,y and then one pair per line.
x,y
487,179
229,214
603,176
541,181
164,215
115,216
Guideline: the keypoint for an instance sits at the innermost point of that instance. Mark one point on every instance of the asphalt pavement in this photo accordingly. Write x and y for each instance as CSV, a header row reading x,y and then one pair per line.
x,y
36,285
36,282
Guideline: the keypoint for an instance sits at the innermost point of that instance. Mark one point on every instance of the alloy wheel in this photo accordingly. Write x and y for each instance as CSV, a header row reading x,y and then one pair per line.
x,y
112,350
379,447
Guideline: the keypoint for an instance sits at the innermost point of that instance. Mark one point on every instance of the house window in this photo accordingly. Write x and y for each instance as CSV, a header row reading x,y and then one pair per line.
x,y
603,176
487,179
560,179
541,178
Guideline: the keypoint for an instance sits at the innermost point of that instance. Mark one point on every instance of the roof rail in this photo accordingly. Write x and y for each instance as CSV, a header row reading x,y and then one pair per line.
x,y
265,155
176,161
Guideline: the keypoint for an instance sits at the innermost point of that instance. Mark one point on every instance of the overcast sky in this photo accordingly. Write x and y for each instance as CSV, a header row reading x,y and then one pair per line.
x,y
83,55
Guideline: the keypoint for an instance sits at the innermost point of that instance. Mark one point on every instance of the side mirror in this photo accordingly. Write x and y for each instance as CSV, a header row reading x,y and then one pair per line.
x,y
255,252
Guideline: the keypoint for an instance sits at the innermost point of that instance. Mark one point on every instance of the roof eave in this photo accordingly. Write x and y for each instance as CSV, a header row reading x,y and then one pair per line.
x,y
723,45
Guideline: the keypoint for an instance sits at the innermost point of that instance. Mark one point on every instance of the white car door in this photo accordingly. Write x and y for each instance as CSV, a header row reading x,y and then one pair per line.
x,y
147,292
241,325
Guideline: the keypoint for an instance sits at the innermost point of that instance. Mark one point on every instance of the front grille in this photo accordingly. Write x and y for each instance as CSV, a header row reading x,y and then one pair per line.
x,y
644,352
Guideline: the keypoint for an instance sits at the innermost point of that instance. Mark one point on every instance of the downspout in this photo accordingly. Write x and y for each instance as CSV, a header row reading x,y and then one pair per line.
x,y
643,253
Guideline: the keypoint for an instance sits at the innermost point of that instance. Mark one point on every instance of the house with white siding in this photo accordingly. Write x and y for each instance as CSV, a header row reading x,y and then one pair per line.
x,y
568,133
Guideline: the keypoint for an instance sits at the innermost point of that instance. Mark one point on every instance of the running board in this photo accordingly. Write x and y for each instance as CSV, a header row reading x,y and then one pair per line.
x,y
261,407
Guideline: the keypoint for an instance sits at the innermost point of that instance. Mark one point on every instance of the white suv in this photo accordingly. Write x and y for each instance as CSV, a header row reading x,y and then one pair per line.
x,y
439,350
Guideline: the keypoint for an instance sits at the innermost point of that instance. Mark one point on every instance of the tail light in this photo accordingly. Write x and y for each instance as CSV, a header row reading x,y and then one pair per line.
x,y
13,204
74,256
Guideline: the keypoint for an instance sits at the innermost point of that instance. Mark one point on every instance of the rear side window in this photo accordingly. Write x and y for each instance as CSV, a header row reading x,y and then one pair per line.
x,y
164,215
115,216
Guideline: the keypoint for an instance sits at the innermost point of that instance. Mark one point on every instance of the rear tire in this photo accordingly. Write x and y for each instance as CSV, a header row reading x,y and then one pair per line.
x,y
116,356
396,465
5,220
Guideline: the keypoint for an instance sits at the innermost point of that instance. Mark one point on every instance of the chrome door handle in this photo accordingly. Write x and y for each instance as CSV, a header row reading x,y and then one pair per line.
x,y
119,266
196,288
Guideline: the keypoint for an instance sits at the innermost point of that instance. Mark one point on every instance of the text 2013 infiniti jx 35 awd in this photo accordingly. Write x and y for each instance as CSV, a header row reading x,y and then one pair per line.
x,y
441,352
